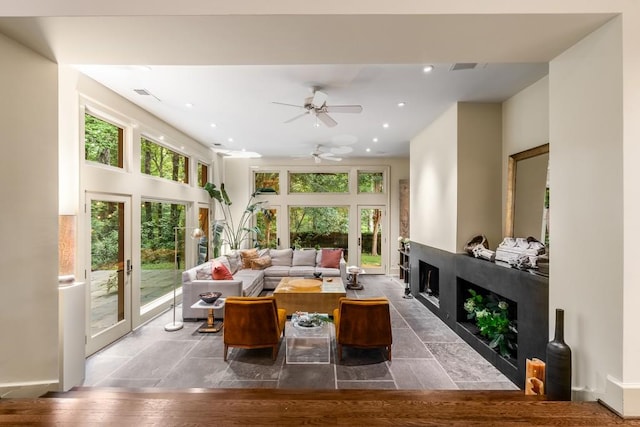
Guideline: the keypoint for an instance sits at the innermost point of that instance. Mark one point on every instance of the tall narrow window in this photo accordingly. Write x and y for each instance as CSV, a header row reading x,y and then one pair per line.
x,y
370,182
103,141
203,174
203,243
324,182
162,162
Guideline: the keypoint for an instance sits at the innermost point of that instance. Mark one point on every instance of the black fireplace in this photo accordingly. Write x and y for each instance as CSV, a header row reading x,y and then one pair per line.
x,y
429,280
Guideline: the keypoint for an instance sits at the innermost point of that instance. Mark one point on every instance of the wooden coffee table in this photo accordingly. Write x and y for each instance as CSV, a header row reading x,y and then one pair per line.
x,y
310,295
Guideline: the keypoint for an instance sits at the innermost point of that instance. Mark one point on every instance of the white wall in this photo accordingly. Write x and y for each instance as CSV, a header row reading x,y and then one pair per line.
x,y
585,128
29,225
434,182
525,124
479,174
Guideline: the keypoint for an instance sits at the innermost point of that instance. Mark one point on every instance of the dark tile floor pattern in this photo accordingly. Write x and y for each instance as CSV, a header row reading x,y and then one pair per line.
x,y
427,355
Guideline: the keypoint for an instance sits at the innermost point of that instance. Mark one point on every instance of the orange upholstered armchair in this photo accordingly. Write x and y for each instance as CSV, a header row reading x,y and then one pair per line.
x,y
253,322
363,323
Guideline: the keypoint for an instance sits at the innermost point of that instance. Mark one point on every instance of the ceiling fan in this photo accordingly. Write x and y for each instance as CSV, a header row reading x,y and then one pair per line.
x,y
319,154
317,105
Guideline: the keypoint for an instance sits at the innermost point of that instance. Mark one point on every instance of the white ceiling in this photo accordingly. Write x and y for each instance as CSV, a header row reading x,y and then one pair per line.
x,y
239,101
231,68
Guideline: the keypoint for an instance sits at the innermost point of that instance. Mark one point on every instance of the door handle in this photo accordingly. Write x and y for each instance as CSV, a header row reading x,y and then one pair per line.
x,y
278,242
129,266
358,241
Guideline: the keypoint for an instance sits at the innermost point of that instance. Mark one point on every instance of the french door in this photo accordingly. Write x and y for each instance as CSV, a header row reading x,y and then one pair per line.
x,y
109,269
372,236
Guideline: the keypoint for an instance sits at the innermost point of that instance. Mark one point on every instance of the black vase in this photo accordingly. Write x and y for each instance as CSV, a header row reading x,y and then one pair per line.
x,y
558,382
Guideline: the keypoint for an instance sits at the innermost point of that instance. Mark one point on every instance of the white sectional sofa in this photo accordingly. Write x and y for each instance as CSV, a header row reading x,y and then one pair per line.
x,y
273,266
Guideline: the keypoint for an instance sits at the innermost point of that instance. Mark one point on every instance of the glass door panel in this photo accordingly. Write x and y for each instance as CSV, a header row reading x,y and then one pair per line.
x,y
267,223
370,239
110,288
162,249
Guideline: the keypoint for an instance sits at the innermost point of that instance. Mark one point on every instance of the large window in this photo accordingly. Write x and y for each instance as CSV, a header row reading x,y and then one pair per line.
x,y
267,180
319,226
103,141
162,162
323,182
370,182
158,221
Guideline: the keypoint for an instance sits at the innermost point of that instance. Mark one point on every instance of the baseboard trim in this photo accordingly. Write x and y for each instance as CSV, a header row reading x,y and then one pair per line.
x,y
622,398
30,389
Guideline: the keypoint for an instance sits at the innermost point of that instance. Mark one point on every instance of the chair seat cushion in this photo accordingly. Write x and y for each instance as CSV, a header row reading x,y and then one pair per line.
x,y
251,281
277,271
302,271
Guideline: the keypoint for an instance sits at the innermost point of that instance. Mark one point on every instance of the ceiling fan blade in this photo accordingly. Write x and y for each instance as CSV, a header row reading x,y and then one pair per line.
x,y
297,117
319,99
326,119
288,105
344,108
333,159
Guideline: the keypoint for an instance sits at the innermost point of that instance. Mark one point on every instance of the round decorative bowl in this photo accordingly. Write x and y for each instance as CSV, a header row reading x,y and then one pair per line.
x,y
210,297
317,275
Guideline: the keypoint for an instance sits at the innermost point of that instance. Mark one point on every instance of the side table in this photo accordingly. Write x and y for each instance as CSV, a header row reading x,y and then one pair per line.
x,y
353,283
307,345
212,325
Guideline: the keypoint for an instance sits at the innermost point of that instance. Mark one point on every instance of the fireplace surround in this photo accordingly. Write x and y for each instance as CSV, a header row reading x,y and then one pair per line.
x,y
456,273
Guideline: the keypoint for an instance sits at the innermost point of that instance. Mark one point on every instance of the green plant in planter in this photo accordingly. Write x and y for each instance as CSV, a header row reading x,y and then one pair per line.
x,y
492,319
227,230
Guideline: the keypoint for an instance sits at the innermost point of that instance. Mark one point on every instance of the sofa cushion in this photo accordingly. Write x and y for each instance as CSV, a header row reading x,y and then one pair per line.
x,y
234,261
281,257
203,271
252,281
261,263
302,270
328,272
220,271
304,258
247,255
331,258
277,271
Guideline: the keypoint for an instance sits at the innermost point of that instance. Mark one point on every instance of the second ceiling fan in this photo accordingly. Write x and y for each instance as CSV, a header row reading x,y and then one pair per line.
x,y
317,105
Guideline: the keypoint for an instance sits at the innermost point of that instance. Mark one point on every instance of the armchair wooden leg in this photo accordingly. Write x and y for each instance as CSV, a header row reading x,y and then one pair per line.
x,y
274,352
225,352
389,349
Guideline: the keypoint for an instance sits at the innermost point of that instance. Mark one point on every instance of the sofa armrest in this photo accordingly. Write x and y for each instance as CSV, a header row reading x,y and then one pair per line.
x,y
343,271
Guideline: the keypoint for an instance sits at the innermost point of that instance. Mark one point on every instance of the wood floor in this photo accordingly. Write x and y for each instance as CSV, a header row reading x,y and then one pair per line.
x,y
260,407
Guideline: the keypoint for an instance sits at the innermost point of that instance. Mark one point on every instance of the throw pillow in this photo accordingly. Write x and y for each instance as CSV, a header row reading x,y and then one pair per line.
x,y
203,272
247,255
234,261
331,258
281,257
261,263
221,272
306,258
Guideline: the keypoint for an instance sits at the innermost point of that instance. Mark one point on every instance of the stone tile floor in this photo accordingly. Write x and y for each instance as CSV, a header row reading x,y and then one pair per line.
x,y
427,355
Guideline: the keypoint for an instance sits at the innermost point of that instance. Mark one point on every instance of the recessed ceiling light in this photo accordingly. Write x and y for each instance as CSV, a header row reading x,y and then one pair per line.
x,y
385,125
401,104
188,105
375,139
213,125
182,147
368,150
427,69
244,149
161,137
230,139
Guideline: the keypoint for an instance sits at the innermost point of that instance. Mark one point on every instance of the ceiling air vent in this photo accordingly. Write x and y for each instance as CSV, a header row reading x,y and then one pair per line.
x,y
145,92
463,66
